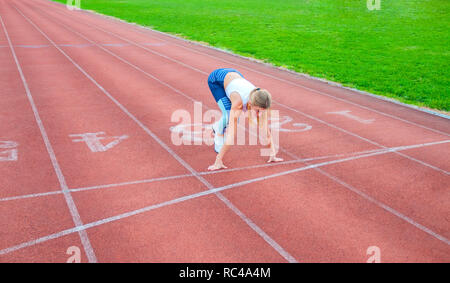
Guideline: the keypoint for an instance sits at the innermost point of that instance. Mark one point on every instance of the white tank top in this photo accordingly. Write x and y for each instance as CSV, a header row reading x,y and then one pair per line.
x,y
241,86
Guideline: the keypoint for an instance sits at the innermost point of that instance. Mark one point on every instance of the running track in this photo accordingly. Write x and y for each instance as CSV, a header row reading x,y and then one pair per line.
x,y
377,175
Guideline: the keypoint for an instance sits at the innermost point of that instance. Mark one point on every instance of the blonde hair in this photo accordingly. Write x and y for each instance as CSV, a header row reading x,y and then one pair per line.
x,y
260,98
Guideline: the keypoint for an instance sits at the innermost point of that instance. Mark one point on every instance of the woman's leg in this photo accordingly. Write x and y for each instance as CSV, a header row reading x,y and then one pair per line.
x,y
215,83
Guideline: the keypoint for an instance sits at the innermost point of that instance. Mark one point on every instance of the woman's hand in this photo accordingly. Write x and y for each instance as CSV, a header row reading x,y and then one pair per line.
x,y
273,158
217,165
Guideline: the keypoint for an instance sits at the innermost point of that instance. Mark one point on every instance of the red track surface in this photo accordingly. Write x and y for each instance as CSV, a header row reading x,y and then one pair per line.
x,y
84,73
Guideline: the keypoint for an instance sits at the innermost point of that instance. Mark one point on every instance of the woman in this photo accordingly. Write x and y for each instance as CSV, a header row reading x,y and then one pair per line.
x,y
233,93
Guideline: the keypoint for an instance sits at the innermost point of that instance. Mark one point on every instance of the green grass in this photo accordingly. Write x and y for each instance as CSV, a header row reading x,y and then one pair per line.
x,y
401,51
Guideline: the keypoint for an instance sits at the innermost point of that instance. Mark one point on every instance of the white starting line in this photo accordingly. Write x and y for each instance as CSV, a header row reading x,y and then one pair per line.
x,y
158,179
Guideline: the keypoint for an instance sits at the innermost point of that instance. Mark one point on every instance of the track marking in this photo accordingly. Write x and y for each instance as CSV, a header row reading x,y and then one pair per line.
x,y
67,196
92,140
252,225
299,127
285,106
239,184
346,113
8,151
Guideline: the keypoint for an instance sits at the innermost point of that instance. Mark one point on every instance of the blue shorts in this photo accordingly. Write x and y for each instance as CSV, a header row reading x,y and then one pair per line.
x,y
216,85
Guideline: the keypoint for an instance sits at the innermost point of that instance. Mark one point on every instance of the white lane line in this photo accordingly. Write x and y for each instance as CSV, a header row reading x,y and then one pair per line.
x,y
31,196
151,180
389,209
285,106
36,46
277,164
145,31
362,138
384,151
379,203
239,184
68,197
131,183
42,240
130,64
258,230
424,163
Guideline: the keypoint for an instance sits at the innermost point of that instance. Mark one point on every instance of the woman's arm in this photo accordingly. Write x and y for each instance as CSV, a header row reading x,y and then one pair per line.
x,y
273,156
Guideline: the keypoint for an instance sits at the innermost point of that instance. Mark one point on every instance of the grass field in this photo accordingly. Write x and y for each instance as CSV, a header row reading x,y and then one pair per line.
x,y
400,51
